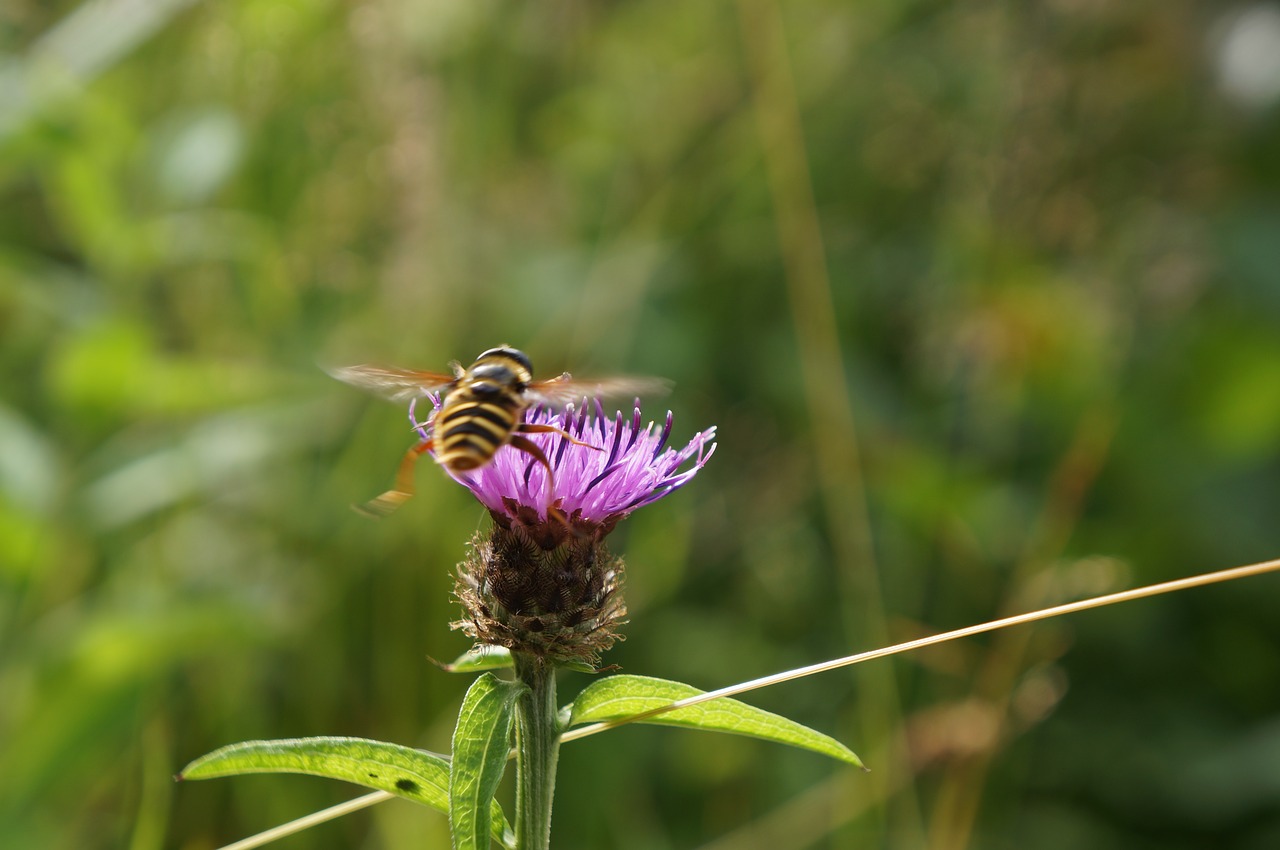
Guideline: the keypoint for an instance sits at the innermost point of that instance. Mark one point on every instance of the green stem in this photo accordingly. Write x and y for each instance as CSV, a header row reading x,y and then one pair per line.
x,y
537,749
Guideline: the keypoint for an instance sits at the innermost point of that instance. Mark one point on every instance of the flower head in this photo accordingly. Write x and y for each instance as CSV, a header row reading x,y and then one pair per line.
x,y
622,467
542,581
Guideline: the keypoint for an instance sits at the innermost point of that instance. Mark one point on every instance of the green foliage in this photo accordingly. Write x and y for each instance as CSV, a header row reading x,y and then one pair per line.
x,y
412,774
481,744
621,697
480,658
484,657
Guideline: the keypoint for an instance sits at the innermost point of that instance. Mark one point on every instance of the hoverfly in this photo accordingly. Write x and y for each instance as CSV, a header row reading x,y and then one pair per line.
x,y
480,411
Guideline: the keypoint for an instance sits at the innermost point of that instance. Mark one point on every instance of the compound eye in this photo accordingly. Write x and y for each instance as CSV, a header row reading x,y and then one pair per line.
x,y
494,372
510,353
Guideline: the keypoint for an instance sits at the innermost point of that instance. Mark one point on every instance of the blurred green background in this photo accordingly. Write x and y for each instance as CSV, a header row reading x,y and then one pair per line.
x,y
984,298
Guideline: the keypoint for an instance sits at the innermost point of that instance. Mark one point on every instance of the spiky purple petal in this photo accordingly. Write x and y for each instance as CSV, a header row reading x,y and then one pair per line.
x,y
630,467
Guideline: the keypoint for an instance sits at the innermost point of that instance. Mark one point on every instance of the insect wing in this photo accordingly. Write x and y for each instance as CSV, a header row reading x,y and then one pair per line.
x,y
394,384
563,390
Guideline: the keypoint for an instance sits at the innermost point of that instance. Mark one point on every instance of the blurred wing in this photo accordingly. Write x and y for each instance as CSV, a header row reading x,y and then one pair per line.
x,y
563,390
394,384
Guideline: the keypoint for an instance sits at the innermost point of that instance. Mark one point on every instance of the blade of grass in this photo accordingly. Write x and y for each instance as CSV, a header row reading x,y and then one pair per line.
x,y
1232,574
968,631
965,780
284,830
830,408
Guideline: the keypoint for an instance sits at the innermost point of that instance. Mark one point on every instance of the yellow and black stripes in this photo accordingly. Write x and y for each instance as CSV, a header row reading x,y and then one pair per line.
x,y
481,413
467,432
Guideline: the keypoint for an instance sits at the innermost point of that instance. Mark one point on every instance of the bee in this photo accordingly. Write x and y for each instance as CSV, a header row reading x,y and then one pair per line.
x,y
481,410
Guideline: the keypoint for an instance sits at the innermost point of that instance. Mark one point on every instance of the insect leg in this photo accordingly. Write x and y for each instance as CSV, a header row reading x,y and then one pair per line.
x,y
403,490
551,429
530,448
527,446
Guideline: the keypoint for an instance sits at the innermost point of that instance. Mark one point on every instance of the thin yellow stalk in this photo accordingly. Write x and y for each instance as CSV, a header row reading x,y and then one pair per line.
x,y
964,783
920,643
786,676
313,819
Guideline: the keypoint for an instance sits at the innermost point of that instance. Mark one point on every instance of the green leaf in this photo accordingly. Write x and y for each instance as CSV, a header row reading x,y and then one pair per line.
x,y
413,774
480,658
481,743
619,697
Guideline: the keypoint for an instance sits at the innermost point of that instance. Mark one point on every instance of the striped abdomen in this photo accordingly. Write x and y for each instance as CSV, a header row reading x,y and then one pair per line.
x,y
479,416
467,431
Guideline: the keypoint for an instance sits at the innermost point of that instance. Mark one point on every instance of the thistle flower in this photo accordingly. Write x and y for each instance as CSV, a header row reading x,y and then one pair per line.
x,y
543,582
623,468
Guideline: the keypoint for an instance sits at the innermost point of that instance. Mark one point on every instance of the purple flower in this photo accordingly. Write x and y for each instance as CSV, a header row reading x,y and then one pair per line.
x,y
542,582
624,467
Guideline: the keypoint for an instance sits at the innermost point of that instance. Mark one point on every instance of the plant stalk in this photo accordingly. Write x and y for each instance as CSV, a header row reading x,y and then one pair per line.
x,y
537,750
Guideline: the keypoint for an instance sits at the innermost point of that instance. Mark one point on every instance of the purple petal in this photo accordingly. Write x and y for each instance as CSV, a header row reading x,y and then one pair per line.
x,y
637,469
